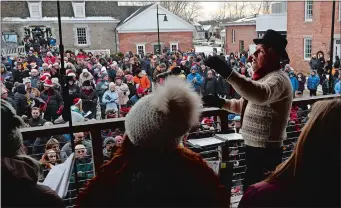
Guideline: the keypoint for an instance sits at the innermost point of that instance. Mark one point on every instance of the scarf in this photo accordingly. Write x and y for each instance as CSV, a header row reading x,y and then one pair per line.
x,y
87,90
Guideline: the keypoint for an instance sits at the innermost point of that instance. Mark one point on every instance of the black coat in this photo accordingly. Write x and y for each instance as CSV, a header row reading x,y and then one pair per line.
x,y
74,91
210,87
223,86
20,100
55,101
89,101
36,122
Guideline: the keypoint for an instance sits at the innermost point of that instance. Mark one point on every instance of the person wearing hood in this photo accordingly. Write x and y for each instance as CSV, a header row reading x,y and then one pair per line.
x,y
141,80
108,145
313,63
20,100
195,79
301,81
85,76
122,90
89,98
126,64
313,82
294,82
53,101
110,98
131,177
210,86
112,71
19,172
101,87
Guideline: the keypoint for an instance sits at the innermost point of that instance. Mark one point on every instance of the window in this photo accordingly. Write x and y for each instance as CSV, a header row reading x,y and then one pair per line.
x,y
174,46
140,48
241,46
82,35
307,48
233,36
79,9
35,9
308,12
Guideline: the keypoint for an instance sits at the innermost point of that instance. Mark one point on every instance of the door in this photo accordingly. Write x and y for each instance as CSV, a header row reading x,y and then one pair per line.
x,y
241,46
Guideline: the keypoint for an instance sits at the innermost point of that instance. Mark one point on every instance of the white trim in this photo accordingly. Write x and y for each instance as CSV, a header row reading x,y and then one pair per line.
x,y
143,45
88,37
307,58
45,20
239,24
31,5
171,43
306,9
233,36
191,27
76,6
340,10
154,31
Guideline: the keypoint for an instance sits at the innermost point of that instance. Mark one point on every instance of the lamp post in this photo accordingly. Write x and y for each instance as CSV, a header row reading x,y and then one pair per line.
x,y
331,55
158,28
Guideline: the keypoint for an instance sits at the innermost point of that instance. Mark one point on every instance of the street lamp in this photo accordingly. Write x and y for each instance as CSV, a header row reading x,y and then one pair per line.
x,y
158,29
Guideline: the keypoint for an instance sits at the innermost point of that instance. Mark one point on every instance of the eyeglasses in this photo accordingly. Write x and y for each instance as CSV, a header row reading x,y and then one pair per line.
x,y
80,151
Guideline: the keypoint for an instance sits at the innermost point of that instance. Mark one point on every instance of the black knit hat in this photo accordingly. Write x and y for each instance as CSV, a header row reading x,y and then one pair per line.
x,y
86,83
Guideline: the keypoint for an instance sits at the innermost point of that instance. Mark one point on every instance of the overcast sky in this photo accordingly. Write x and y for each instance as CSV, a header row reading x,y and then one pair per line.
x,y
208,8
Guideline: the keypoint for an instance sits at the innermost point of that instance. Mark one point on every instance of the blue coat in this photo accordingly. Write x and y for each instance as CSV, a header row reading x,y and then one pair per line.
x,y
110,99
313,82
294,83
198,83
337,87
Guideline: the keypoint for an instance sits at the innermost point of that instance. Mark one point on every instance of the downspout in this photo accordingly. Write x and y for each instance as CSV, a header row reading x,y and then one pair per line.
x,y
115,30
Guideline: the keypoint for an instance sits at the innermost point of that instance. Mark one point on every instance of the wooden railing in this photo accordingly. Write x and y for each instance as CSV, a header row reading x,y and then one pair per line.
x,y
95,127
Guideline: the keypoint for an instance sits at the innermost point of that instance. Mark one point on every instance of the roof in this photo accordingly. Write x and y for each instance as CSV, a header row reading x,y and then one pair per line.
x,y
243,21
207,27
55,19
141,9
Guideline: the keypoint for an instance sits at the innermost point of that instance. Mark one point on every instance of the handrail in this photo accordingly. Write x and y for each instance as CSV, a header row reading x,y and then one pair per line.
x,y
95,126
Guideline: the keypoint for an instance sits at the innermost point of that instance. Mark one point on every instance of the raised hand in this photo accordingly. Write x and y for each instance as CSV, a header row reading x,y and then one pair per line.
x,y
219,65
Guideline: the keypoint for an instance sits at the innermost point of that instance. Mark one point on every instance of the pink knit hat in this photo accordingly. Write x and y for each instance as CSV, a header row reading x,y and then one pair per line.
x,y
129,77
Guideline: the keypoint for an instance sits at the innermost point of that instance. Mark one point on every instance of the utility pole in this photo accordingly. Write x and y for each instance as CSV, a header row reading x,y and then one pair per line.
x,y
331,55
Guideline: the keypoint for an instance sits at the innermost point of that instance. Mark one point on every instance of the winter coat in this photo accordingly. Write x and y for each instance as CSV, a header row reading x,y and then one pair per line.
x,y
294,83
17,76
132,90
111,74
19,178
6,74
337,87
181,178
320,65
223,86
82,78
53,100
325,86
34,81
111,100
36,122
143,82
20,100
313,63
210,87
11,101
89,100
313,82
84,170
101,87
301,82
74,91
123,93
31,59
198,78
134,99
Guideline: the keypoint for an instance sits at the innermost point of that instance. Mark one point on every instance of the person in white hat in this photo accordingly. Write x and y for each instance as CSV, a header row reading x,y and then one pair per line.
x,y
84,76
34,78
151,169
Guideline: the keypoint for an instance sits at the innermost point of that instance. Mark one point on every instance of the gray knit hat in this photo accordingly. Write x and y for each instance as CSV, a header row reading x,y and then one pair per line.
x,y
161,119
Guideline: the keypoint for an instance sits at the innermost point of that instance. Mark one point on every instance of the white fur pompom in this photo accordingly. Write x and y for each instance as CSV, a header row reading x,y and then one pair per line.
x,y
178,100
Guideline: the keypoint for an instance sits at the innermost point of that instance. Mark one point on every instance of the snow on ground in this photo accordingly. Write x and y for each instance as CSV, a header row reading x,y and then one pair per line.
x,y
206,49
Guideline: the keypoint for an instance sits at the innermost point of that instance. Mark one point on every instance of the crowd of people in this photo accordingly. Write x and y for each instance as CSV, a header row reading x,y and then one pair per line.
x,y
160,97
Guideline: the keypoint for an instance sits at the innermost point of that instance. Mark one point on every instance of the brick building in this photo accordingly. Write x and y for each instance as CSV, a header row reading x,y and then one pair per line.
x,y
138,33
85,24
240,35
309,30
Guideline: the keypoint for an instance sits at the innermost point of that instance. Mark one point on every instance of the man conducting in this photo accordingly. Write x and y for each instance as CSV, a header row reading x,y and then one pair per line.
x,y
264,107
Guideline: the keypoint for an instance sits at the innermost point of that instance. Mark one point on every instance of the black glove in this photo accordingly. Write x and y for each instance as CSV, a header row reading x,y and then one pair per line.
x,y
213,101
219,65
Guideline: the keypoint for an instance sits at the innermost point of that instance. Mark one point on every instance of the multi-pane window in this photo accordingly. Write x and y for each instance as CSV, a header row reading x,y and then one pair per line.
x,y
308,12
35,9
233,36
79,9
174,46
307,48
140,49
81,36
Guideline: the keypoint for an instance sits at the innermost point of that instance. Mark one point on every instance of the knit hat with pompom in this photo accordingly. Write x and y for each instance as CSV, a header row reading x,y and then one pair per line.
x,y
162,118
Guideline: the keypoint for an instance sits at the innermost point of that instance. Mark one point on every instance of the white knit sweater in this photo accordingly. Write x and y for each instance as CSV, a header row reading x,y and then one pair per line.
x,y
267,112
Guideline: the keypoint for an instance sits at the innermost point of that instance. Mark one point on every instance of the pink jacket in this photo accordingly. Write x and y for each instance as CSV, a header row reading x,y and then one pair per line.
x,y
123,98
